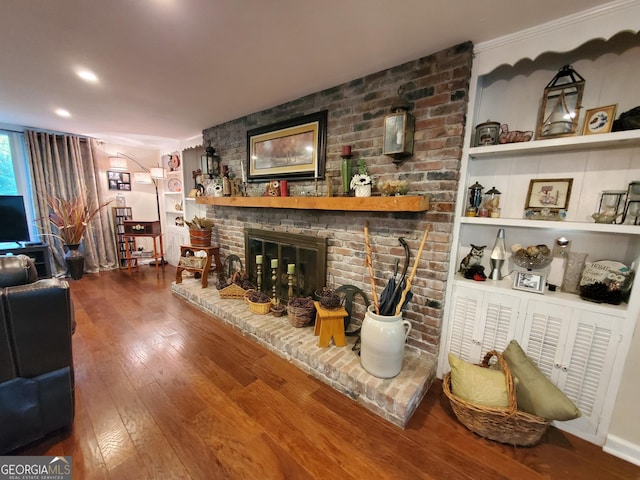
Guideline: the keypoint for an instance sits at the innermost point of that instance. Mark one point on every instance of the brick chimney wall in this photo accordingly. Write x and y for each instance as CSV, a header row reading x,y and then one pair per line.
x,y
437,87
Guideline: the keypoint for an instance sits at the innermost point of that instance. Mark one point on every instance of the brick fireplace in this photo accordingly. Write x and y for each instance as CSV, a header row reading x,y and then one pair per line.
x,y
437,88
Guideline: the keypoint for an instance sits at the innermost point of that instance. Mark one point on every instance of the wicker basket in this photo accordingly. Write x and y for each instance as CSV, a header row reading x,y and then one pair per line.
x,y
259,308
193,262
233,291
507,425
301,316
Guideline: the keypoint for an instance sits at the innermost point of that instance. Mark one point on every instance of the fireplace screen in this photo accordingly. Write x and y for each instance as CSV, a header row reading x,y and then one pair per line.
x,y
308,254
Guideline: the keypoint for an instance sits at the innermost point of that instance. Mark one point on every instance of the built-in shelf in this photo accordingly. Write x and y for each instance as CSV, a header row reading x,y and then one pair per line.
x,y
624,139
405,203
625,229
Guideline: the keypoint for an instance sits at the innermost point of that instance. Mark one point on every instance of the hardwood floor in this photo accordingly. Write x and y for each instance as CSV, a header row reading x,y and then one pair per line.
x,y
163,391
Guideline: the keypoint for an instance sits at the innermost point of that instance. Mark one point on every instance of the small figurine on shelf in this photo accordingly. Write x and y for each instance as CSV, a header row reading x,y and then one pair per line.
x,y
361,181
474,257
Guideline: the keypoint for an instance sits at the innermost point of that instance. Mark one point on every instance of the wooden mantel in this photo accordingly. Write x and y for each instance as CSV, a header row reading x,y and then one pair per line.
x,y
405,203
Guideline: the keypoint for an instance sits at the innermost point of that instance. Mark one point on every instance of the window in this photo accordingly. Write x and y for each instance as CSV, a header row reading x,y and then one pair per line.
x,y
14,174
8,185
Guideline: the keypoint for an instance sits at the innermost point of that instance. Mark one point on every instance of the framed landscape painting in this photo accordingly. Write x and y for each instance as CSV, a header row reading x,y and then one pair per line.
x,y
293,149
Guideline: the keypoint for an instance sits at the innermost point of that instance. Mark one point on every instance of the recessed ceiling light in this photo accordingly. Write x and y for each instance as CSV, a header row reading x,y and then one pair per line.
x,y
62,112
87,75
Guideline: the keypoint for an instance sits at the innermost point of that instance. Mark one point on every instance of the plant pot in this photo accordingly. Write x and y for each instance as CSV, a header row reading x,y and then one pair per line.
x,y
382,340
363,190
200,238
74,260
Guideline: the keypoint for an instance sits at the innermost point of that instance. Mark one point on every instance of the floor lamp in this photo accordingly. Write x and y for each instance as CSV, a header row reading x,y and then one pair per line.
x,y
147,176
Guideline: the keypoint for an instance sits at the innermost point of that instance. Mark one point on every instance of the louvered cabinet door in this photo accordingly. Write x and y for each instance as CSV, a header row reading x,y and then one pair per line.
x,y
576,349
482,321
467,304
587,363
545,332
498,323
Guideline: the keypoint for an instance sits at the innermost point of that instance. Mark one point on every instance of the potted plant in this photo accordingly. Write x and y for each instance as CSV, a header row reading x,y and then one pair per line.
x,y
361,181
71,218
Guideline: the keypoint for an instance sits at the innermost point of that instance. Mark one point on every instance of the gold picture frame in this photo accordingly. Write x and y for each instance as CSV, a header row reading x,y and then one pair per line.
x,y
550,194
599,120
293,149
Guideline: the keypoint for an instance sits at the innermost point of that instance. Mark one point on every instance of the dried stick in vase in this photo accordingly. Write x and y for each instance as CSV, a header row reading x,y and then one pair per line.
x,y
369,264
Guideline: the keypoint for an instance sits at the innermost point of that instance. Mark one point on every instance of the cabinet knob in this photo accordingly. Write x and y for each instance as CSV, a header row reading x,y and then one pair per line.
x,y
564,368
557,365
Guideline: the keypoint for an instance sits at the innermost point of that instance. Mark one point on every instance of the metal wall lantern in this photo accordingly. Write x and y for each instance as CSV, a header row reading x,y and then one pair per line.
x,y
399,128
561,103
210,162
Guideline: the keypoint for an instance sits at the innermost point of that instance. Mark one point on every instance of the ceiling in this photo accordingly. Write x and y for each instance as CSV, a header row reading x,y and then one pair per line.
x,y
167,69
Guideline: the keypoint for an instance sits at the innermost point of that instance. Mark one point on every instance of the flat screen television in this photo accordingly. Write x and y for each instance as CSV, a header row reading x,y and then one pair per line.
x,y
13,219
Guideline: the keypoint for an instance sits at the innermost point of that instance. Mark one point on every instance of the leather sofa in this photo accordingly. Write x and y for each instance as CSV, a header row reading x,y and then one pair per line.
x,y
36,363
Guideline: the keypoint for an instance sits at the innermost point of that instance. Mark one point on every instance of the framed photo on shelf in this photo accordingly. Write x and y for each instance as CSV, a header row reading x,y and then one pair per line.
x,y
293,149
529,281
599,120
549,194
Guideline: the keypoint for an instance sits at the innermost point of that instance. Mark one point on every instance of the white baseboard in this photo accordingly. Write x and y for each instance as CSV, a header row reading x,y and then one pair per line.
x,y
622,449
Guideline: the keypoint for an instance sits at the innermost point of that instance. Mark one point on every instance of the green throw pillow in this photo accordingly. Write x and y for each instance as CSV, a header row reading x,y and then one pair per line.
x,y
478,385
534,392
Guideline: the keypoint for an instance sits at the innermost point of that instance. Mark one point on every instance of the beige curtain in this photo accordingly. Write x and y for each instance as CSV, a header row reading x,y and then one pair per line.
x,y
65,166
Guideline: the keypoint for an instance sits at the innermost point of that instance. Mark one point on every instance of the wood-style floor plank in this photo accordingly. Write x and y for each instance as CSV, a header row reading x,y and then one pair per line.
x,y
164,391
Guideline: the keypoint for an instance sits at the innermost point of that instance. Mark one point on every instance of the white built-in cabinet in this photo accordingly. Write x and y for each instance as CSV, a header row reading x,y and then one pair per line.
x,y
581,346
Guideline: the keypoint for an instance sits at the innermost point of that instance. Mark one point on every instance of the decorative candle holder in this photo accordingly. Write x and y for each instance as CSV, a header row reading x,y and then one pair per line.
x,y
259,276
345,171
290,283
274,278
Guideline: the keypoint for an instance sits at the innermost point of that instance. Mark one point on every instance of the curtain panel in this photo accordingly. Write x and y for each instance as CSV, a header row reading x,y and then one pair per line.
x,y
65,166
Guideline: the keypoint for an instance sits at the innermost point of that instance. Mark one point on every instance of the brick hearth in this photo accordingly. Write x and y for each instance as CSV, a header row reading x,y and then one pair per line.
x,y
394,399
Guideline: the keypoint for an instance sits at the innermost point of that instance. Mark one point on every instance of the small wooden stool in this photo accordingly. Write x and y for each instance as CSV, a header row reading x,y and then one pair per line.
x,y
204,271
330,323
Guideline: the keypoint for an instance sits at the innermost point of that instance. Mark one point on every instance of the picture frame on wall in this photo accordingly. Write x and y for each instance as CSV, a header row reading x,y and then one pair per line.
x,y
599,120
551,194
529,281
292,149
119,180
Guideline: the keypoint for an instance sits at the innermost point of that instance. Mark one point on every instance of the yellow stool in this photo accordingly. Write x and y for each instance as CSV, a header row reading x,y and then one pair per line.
x,y
330,324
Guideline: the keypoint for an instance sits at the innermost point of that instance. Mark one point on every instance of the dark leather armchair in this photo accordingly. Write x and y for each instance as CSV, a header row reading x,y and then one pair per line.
x,y
36,363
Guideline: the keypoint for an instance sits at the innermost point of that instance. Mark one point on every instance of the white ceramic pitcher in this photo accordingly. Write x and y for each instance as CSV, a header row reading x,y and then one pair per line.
x,y
382,340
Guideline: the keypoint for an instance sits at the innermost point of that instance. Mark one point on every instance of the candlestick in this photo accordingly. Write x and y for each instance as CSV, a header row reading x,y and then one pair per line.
x,y
244,173
290,276
291,268
274,279
274,263
259,276
258,259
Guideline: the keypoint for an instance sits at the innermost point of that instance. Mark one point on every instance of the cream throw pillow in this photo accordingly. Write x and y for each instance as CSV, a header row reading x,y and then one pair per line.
x,y
478,385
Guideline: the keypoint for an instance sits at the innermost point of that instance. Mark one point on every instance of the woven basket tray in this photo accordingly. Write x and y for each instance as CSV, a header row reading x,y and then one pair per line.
x,y
233,291
507,425
299,316
193,262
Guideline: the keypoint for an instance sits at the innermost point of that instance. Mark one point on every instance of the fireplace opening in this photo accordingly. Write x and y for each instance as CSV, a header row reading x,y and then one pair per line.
x,y
308,254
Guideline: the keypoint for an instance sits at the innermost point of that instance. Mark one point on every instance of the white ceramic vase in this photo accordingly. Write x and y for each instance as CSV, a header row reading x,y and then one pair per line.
x,y
363,190
382,340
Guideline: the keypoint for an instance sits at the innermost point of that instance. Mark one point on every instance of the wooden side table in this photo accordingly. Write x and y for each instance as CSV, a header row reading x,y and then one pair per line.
x,y
330,323
212,253
158,254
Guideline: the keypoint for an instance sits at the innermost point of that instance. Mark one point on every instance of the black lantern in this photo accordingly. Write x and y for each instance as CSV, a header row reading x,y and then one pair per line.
x,y
399,127
561,103
211,162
